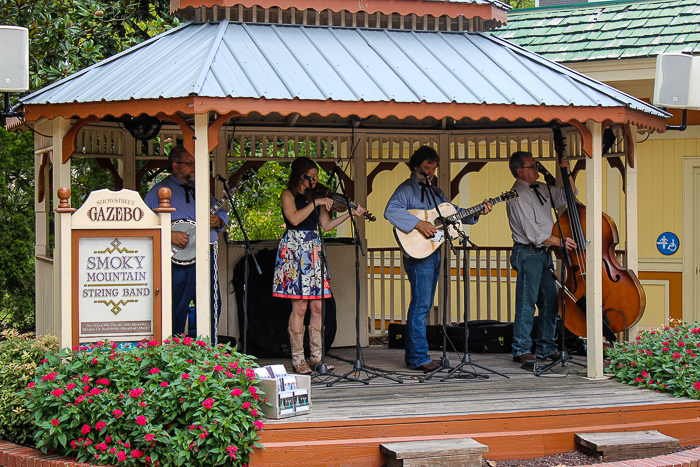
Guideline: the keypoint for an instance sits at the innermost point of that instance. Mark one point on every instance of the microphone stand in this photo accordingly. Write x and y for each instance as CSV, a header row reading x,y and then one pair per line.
x,y
444,362
564,254
466,358
358,365
246,273
322,368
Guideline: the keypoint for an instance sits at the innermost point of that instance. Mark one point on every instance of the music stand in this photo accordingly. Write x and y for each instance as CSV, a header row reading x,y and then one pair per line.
x,y
358,365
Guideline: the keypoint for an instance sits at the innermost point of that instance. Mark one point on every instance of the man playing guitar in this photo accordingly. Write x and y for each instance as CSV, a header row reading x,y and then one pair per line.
x,y
181,185
422,273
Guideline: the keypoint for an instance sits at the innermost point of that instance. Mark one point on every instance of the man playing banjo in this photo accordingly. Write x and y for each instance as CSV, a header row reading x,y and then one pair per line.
x,y
181,185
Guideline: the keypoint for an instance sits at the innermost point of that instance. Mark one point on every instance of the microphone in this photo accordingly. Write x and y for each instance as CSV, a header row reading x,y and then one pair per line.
x,y
428,178
221,179
541,169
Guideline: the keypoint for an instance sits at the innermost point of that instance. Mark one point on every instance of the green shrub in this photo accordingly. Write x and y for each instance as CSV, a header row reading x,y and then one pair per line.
x,y
20,355
666,360
179,403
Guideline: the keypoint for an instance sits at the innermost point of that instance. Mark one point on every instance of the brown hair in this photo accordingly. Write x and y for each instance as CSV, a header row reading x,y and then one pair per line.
x,y
300,166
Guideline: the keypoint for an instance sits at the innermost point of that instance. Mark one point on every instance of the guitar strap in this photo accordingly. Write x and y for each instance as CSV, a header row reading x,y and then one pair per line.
x,y
423,186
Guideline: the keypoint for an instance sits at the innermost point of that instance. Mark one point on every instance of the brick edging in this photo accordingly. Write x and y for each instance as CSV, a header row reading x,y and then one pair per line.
x,y
14,455
689,458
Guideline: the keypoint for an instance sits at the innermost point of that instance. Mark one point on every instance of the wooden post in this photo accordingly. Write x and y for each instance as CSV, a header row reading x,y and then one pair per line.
x,y
165,211
202,194
594,251
631,198
61,313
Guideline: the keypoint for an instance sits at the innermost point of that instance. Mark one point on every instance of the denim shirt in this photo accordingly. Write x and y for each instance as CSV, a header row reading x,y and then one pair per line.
x,y
408,196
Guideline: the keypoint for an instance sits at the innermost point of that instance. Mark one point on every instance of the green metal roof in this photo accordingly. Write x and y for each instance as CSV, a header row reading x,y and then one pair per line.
x,y
606,30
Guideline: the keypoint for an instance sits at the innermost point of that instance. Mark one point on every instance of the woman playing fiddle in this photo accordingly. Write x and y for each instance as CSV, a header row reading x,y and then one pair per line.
x,y
298,265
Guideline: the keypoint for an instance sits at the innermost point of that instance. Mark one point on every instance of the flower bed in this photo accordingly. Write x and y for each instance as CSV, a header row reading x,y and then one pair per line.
x,y
666,360
179,403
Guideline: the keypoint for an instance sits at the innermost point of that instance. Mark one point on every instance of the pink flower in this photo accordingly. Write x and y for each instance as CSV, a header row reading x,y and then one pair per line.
x,y
70,386
236,392
682,344
136,453
54,421
142,404
246,405
676,355
218,368
85,379
121,456
117,413
203,435
50,377
141,420
154,371
57,392
208,404
164,383
202,378
150,437
253,390
254,412
103,381
185,376
258,424
86,429
138,392
697,385
100,425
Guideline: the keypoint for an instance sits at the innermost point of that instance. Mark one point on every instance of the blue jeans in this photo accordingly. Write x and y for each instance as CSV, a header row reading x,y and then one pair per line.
x,y
423,276
535,286
184,291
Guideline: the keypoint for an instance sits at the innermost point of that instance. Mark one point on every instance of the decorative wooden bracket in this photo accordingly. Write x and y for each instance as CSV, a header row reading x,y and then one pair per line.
x,y
381,167
70,137
468,168
328,165
586,137
616,163
41,182
629,143
106,164
187,131
215,127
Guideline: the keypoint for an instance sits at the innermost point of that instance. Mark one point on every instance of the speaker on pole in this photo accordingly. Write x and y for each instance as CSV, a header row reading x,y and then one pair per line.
x,y
677,81
14,59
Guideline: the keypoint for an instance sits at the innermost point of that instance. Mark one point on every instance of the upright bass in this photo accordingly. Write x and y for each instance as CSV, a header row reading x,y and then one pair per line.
x,y
624,300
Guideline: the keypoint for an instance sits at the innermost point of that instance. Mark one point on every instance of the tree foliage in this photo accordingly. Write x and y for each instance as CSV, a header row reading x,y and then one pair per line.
x,y
65,36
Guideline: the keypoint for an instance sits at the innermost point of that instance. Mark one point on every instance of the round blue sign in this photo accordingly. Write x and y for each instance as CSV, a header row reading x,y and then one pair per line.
x,y
668,243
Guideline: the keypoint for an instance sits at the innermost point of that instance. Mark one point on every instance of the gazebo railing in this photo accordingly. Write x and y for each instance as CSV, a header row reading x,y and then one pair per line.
x,y
491,288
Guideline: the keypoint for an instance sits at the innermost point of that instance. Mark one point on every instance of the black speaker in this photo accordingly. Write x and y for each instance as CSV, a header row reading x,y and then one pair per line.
x,y
268,316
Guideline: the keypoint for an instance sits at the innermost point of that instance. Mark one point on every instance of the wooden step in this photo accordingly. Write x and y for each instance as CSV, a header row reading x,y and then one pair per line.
x,y
617,446
438,452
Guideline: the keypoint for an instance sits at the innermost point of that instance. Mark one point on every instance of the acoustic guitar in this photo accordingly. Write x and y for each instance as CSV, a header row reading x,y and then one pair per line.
x,y
186,256
415,245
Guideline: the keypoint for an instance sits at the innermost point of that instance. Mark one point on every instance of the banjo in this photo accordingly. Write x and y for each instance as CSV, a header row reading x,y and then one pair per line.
x,y
186,256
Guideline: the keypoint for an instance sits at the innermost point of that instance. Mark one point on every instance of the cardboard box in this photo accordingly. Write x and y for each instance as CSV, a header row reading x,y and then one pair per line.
x,y
289,396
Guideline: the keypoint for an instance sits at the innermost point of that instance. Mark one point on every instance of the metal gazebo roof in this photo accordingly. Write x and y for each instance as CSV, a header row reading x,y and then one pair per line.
x,y
293,68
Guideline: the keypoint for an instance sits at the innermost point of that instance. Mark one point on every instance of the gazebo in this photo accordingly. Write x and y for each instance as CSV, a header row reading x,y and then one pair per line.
x,y
280,78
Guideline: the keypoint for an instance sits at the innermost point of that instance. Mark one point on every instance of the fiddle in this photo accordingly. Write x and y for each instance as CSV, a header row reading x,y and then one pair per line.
x,y
340,204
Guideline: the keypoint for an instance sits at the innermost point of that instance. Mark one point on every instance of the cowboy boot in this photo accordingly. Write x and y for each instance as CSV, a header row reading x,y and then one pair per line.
x,y
315,343
296,341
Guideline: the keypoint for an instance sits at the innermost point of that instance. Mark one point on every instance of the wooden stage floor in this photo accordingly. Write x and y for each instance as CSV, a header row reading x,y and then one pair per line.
x,y
519,417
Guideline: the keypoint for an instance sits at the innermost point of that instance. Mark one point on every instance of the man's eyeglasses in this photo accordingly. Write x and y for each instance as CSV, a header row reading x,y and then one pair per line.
x,y
530,167
190,164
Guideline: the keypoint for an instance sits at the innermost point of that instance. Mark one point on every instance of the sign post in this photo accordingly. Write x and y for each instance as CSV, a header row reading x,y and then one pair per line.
x,y
119,263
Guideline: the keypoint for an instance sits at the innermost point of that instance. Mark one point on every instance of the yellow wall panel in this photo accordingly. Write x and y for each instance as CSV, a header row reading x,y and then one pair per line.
x,y
656,313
